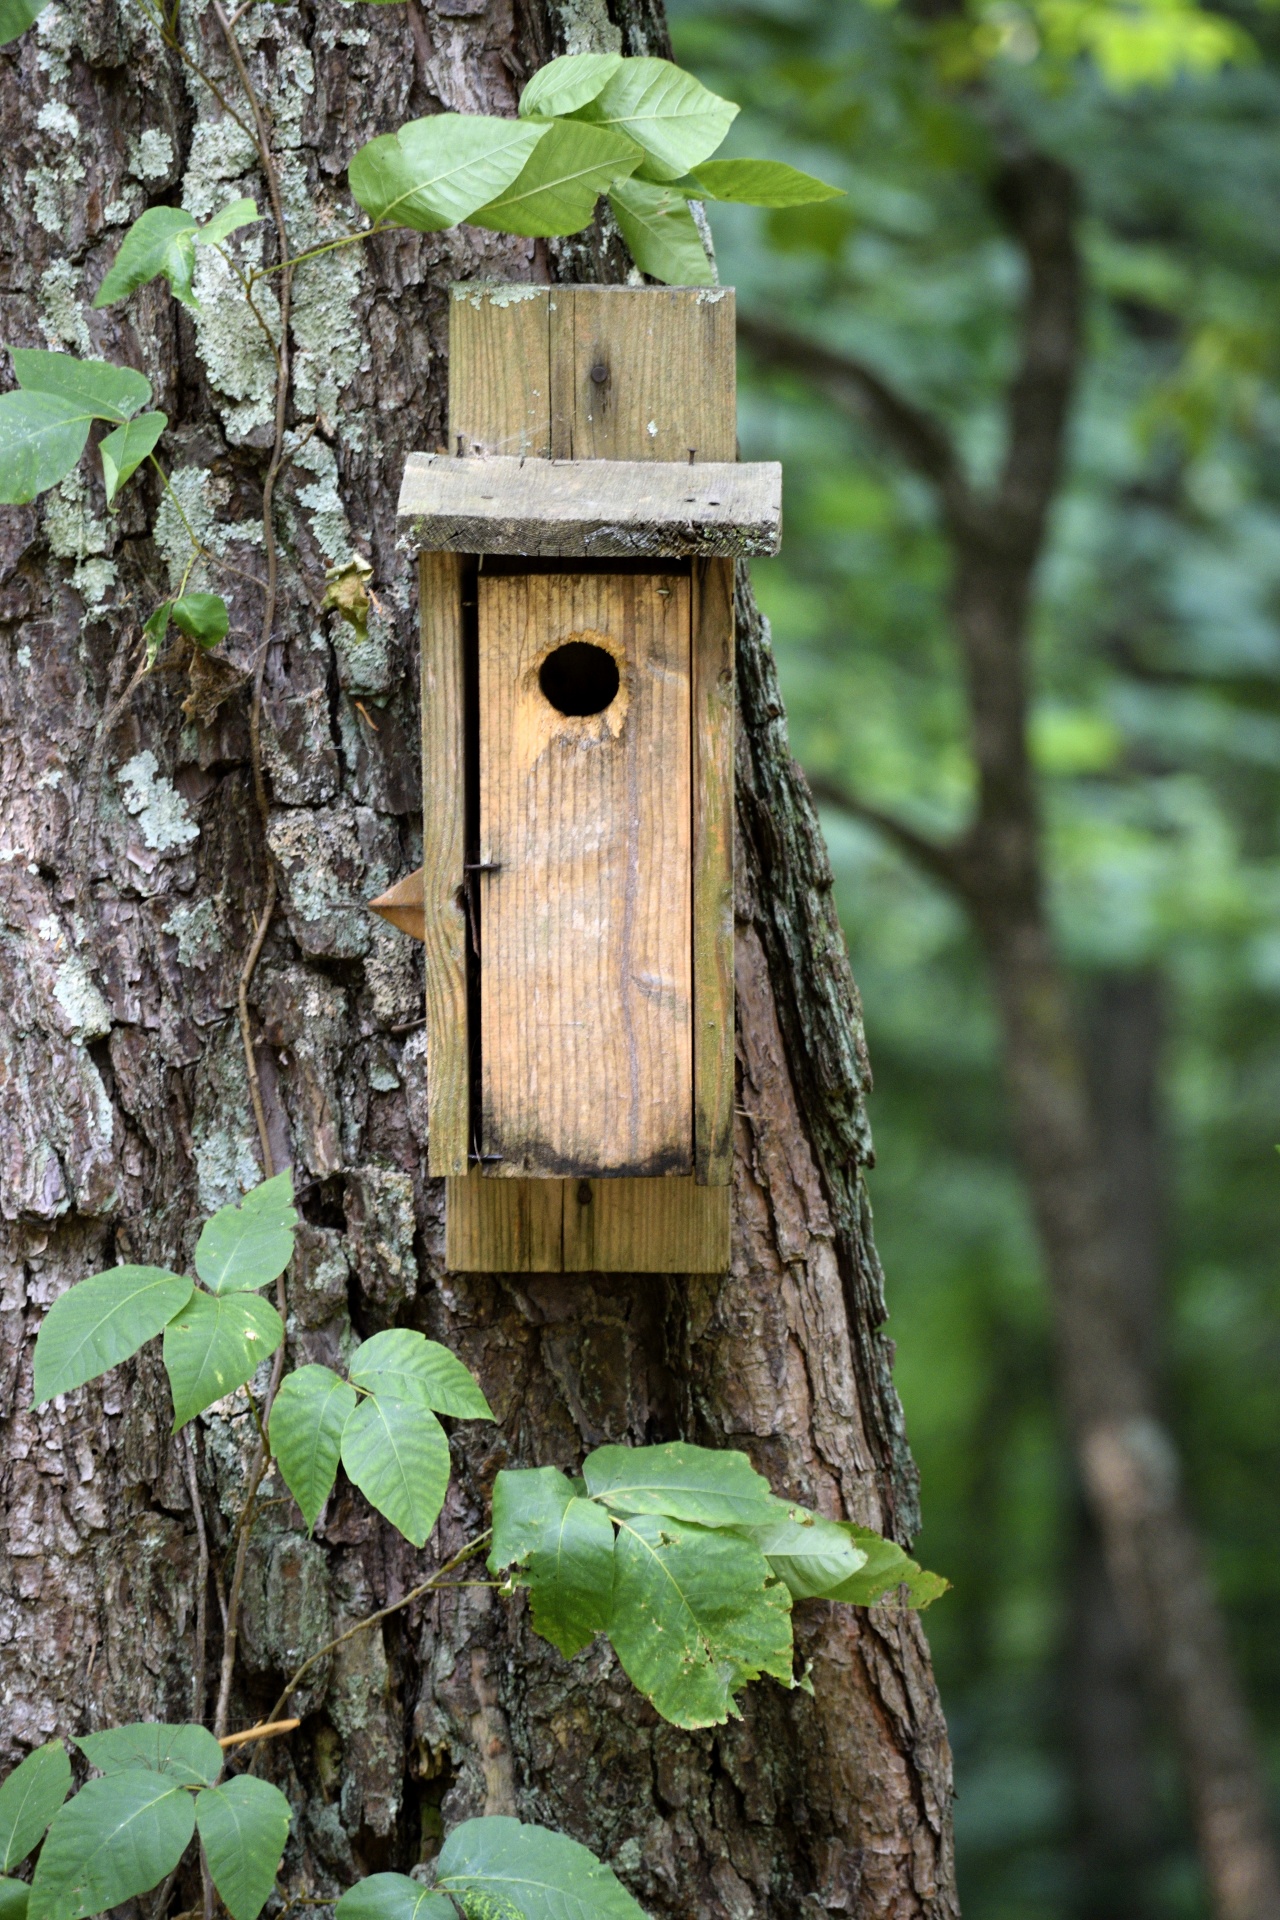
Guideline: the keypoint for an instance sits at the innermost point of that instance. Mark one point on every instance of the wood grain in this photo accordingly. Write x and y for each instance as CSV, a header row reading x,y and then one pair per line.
x,y
444,930
713,716
645,1226
499,370
643,373
591,508
504,1226
586,936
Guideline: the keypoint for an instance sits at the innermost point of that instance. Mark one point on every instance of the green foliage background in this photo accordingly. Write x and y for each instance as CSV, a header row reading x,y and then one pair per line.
x,y
1157,737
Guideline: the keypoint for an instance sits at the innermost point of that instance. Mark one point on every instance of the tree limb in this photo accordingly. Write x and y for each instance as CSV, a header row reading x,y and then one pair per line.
x,y
944,861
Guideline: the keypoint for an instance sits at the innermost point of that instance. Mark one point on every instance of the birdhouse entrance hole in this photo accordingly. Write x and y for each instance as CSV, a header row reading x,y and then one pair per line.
x,y
579,678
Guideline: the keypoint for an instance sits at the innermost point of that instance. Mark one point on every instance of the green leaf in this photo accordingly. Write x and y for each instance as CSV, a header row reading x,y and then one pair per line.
x,y
203,618
435,172
160,241
761,183
563,1548
118,1837
124,450
393,1896
500,1866
157,626
814,1555
104,391
310,1412
247,1245
188,1754
41,438
396,1453
677,120
214,1345
566,84
243,1825
661,233
101,1321
406,1366
564,176
713,1486
240,213
888,1567
14,1895
29,1799
16,16
695,1616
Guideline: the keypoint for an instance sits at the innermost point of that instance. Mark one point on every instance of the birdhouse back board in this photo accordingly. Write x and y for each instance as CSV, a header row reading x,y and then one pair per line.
x,y
585,901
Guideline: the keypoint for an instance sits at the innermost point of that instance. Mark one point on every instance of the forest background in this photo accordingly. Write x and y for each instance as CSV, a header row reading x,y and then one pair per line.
x,y
1157,750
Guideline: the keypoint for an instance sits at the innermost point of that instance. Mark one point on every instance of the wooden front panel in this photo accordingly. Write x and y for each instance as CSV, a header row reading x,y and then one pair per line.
x,y
586,1014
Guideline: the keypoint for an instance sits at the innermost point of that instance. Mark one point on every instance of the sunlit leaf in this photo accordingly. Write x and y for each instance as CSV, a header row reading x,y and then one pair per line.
x,y
307,1420
408,1366
203,617
214,1345
101,1321
713,1486
396,1452
188,1754
888,1568
16,16
105,391
41,439
564,176
761,183
117,1838
696,1615
499,1866
240,213
566,84
159,242
677,120
124,450
14,1896
393,1896
661,233
248,1244
243,1826
814,1555
29,1798
562,1548
434,172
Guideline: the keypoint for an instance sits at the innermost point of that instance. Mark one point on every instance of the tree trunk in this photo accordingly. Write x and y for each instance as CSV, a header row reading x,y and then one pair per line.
x,y
134,870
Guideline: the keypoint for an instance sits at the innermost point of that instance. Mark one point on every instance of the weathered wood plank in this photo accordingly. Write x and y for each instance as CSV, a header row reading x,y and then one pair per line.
x,y
499,371
585,838
645,1226
592,508
713,717
644,373
444,930
504,1226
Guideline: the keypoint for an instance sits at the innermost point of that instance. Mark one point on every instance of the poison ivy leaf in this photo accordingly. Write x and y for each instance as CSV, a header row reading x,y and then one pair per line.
x,y
203,618
562,1546
677,120
102,390
888,1567
760,183
160,241
396,1453
661,233
392,1896
310,1412
240,213
118,1837
564,176
814,1555
695,1617
500,1866
407,1366
188,1754
712,1486
248,1244
124,451
41,438
101,1321
16,16
214,1345
14,1894
29,1799
243,1826
435,172
155,629
566,84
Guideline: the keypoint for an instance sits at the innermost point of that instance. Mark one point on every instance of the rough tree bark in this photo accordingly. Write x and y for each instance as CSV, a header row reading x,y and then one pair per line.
x,y
132,870
1127,1458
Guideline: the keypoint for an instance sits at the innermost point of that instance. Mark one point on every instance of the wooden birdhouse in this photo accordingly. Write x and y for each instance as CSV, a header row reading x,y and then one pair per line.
x,y
576,546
